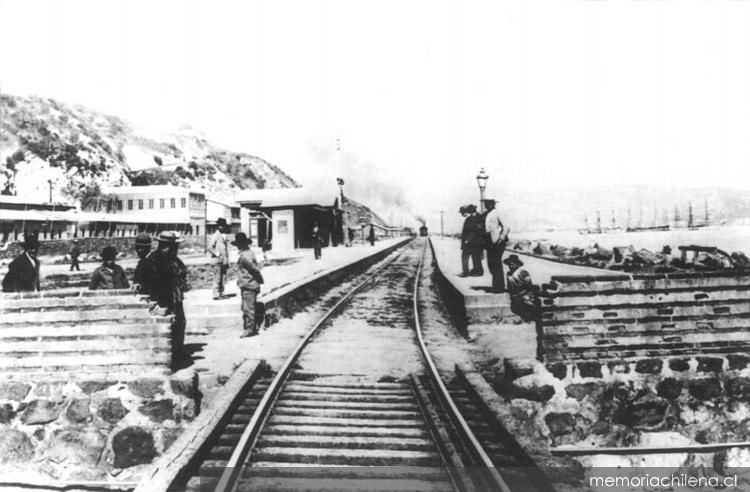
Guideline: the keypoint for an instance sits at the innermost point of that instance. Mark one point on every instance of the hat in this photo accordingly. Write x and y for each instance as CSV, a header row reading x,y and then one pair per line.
x,y
471,208
30,241
513,260
170,237
462,209
221,221
143,239
241,239
489,200
109,253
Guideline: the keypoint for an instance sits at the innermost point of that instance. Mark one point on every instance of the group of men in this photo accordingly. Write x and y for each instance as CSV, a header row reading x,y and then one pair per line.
x,y
486,231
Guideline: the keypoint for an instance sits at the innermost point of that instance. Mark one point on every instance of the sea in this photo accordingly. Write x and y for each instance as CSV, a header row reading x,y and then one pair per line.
x,y
727,238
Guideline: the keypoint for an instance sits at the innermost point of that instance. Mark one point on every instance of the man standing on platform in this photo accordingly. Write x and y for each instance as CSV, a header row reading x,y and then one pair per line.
x,y
317,239
497,236
218,248
472,242
249,280
75,252
143,278
169,289
110,275
23,272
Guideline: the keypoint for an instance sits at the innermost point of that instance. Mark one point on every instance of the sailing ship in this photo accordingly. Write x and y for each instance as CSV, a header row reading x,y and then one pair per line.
x,y
641,228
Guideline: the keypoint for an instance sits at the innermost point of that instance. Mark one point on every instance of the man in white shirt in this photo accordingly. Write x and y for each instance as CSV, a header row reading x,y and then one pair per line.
x,y
497,234
218,249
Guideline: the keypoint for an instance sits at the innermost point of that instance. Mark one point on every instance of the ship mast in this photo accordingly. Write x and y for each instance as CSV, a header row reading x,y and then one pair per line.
x,y
598,222
690,214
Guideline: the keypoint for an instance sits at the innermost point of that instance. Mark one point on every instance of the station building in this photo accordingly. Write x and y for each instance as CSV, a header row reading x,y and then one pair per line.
x,y
19,215
222,208
284,217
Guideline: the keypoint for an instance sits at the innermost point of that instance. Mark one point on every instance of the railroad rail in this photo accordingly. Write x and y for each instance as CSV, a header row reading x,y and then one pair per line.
x,y
354,428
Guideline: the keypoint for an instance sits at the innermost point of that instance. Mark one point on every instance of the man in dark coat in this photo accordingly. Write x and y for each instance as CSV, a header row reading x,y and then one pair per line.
x,y
317,239
371,235
472,241
75,252
143,278
23,271
169,288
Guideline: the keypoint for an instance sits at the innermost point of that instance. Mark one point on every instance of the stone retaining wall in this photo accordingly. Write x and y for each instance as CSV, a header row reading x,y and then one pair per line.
x,y
91,428
646,316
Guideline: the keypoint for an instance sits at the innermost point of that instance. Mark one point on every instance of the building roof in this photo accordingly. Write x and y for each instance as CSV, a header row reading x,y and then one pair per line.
x,y
288,197
19,200
83,217
150,189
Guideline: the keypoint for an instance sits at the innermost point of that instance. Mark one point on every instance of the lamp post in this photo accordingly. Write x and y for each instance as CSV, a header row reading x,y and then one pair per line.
x,y
442,231
482,178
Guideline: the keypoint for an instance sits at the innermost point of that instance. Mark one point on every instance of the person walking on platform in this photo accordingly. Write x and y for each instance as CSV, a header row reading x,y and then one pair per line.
x,y
249,280
169,287
143,278
350,232
371,235
317,240
110,275
218,248
523,299
497,236
23,271
74,252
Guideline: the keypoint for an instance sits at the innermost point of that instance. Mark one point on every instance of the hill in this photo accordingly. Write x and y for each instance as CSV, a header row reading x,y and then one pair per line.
x,y
47,144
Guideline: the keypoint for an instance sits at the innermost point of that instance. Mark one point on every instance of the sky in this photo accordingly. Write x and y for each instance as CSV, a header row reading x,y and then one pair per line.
x,y
422,94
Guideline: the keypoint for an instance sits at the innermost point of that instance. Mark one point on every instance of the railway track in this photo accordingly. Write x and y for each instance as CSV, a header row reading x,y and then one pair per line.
x,y
359,405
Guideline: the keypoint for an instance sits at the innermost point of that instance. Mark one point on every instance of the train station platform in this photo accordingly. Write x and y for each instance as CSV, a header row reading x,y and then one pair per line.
x,y
485,316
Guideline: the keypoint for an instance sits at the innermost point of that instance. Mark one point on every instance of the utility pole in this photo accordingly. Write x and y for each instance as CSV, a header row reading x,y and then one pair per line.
x,y
442,231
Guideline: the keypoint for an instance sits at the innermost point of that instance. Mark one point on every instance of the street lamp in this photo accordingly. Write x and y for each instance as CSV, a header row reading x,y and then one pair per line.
x,y
482,178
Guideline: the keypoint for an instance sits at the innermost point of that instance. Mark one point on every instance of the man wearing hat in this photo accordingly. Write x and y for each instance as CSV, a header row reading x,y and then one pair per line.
x,y
169,287
472,241
143,278
109,275
23,271
249,280
218,249
75,252
523,300
497,234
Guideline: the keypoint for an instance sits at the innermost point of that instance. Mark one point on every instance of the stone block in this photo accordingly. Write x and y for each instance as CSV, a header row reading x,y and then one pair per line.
x,y
669,388
185,383
704,389
516,368
679,365
15,446
14,391
618,367
738,388
589,369
76,446
515,391
93,386
581,391
111,410
648,366
560,424
647,412
558,370
49,389
133,446
146,387
738,361
78,411
6,413
158,411
710,364
41,412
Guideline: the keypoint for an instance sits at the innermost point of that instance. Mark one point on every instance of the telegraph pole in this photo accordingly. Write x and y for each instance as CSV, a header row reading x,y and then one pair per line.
x,y
442,231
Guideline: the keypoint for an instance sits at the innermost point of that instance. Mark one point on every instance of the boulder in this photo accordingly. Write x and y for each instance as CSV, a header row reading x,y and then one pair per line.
x,y
618,367
158,411
598,253
41,412
560,423
560,251
133,446
648,366
523,245
539,393
111,410
645,257
558,369
15,446
679,365
704,389
516,368
646,412
740,260
78,410
14,391
146,387
669,388
738,361
185,383
580,391
76,446
542,249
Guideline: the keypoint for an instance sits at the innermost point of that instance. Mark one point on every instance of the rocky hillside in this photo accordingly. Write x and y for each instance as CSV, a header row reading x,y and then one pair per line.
x,y
358,213
43,141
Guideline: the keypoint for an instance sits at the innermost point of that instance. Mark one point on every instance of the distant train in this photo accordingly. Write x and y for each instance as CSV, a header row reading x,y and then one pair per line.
x,y
423,231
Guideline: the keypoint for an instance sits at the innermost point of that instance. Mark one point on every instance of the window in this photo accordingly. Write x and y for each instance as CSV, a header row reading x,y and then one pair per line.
x,y
130,204
283,229
150,203
118,204
183,202
140,204
172,203
161,203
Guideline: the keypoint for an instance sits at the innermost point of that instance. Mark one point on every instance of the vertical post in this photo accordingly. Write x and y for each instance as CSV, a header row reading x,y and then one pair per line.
x,y
442,230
